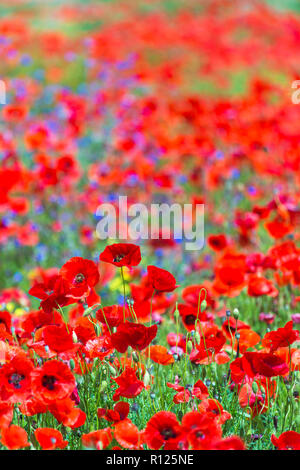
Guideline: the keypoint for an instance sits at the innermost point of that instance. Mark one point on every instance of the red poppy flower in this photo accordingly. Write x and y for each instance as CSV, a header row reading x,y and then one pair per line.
x,y
261,286
66,413
163,430
5,319
136,335
189,315
278,227
256,363
14,437
183,394
84,329
111,316
160,355
50,439
122,254
289,440
81,275
217,242
213,409
129,385
32,407
191,295
34,320
200,430
258,401
247,339
119,413
14,112
230,274
231,325
212,341
58,338
6,414
53,293
128,435
98,439
53,381
160,279
230,443
280,338
15,380
291,356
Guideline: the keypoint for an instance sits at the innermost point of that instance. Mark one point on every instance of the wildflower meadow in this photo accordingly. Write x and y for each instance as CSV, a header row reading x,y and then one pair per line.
x,y
149,227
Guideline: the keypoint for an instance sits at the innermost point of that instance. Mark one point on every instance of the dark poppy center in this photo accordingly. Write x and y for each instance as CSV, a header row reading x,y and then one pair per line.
x,y
168,433
79,278
15,379
118,258
190,319
48,382
200,435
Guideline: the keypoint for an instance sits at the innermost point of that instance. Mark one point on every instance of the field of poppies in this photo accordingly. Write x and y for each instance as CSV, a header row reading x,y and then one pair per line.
x,y
142,344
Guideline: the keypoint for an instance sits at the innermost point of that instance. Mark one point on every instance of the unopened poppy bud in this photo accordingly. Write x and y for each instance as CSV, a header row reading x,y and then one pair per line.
x,y
72,364
176,313
103,386
97,329
112,370
147,378
255,387
197,337
203,305
135,357
189,347
74,336
88,311
236,313
129,350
